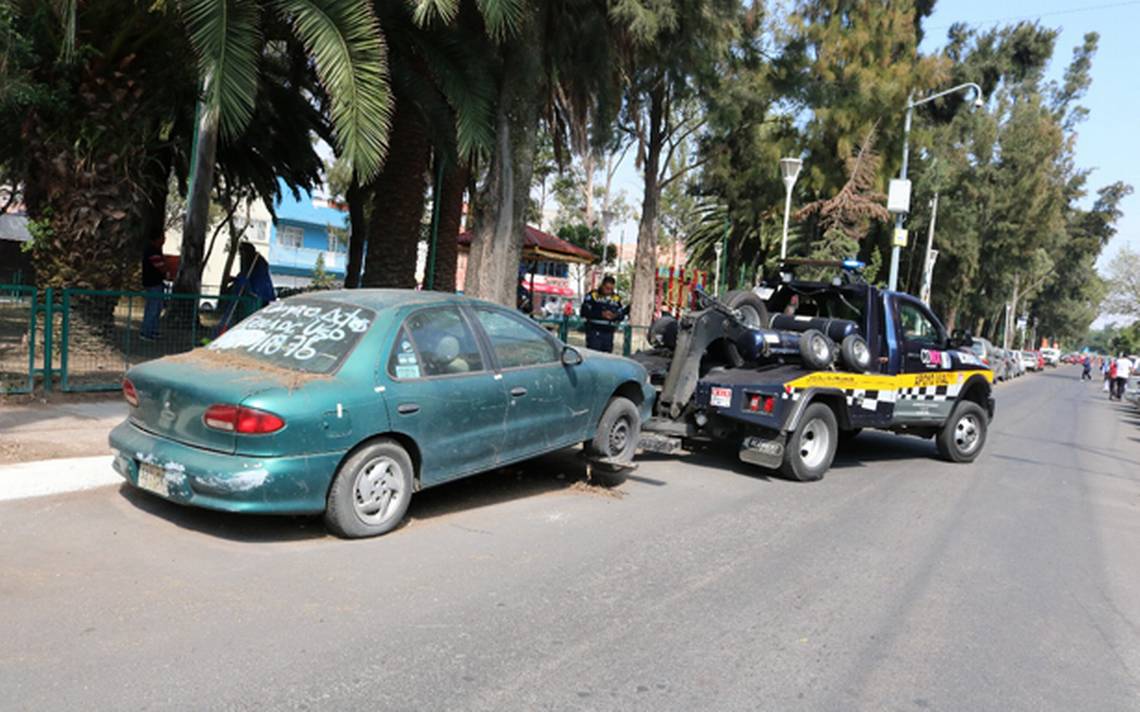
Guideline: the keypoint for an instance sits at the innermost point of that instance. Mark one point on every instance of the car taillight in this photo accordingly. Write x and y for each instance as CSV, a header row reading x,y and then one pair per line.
x,y
239,419
130,394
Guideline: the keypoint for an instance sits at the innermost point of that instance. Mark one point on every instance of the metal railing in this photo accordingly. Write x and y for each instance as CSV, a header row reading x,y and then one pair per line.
x,y
17,339
85,339
572,330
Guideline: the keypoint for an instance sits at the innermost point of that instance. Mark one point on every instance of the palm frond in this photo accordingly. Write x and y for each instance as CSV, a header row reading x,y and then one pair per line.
x,y
346,44
424,12
226,37
67,11
470,94
502,17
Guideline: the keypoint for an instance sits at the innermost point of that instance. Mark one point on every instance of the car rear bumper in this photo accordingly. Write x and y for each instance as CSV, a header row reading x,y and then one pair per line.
x,y
231,483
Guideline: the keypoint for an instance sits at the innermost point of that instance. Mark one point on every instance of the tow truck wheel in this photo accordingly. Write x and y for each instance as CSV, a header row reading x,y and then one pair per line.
x,y
856,355
752,309
816,350
811,446
962,437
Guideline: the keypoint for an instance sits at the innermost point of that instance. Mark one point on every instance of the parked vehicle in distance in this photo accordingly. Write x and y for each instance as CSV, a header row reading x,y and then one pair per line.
x,y
1051,356
1001,365
347,402
991,356
1040,360
1029,360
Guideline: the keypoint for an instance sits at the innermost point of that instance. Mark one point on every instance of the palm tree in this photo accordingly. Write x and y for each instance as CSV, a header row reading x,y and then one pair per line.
x,y
443,93
344,42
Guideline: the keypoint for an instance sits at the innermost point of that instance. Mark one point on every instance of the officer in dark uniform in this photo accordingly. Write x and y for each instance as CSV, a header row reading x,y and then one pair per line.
x,y
602,308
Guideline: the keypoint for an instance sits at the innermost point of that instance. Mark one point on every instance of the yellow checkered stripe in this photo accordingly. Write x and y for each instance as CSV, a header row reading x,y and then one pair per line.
x,y
880,382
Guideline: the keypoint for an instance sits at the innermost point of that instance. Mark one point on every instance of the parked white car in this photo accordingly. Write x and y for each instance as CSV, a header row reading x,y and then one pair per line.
x,y
1052,356
1028,360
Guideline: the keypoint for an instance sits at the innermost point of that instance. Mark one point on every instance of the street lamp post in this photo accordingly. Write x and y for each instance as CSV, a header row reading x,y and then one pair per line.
x,y
910,105
789,170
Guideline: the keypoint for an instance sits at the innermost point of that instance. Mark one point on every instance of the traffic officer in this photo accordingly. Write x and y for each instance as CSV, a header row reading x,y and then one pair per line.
x,y
602,309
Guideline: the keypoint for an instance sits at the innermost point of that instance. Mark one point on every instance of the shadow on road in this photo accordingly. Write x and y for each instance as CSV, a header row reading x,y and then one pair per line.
x,y
563,470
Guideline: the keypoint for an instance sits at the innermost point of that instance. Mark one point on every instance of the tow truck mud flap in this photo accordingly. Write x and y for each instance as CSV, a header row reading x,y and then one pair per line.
x,y
765,452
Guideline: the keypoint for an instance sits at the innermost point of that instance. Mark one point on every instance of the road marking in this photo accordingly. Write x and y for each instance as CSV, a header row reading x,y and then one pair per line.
x,y
46,477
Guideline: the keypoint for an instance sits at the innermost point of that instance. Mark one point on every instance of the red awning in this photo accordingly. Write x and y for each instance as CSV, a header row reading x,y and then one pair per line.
x,y
549,246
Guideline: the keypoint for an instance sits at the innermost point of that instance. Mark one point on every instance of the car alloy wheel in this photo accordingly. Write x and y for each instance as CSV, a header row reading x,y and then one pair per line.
x,y
379,490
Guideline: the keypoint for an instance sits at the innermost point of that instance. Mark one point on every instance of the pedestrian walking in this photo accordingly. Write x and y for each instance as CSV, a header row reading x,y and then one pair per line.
x,y
154,284
602,309
1086,368
1124,368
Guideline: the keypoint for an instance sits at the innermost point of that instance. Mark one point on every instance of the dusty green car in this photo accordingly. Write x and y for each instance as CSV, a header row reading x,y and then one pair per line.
x,y
348,402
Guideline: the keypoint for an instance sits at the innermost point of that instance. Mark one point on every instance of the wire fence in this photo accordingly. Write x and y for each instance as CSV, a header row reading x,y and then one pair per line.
x,y
17,339
628,338
85,340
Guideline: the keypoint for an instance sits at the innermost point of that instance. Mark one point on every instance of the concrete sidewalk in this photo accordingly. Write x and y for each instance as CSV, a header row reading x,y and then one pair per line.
x,y
51,447
39,430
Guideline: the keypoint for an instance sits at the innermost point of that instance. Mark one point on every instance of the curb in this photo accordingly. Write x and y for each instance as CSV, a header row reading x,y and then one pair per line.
x,y
47,477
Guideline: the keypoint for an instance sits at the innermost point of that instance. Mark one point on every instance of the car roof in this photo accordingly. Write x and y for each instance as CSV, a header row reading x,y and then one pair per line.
x,y
381,299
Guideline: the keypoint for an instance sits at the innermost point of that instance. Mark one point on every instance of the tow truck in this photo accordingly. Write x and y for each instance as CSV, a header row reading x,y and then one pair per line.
x,y
835,358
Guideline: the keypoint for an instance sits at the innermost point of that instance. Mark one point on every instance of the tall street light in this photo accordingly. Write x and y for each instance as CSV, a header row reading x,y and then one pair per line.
x,y
789,170
900,214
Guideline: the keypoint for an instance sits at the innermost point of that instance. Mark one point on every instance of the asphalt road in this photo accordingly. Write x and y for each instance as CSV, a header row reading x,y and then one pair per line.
x,y
898,583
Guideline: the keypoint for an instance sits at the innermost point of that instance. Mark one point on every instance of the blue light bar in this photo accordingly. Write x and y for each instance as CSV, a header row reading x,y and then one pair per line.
x,y
853,264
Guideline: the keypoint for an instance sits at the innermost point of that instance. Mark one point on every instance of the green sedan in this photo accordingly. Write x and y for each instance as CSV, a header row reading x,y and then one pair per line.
x,y
348,402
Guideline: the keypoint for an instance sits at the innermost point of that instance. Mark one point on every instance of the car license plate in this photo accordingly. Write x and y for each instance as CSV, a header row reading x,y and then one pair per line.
x,y
721,397
152,478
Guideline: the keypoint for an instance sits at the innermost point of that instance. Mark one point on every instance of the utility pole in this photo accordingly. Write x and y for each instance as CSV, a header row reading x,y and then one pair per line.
x,y
928,261
901,213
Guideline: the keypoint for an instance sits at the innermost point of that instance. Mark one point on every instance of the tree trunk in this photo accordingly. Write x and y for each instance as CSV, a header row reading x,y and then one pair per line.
x,y
450,216
398,205
357,234
493,264
645,262
189,279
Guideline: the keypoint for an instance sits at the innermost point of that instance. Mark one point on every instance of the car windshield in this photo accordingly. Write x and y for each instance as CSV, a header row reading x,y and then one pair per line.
x,y
307,335
830,303
978,348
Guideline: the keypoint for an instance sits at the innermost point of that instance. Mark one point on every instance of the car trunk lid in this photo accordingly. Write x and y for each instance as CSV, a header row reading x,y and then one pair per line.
x,y
174,394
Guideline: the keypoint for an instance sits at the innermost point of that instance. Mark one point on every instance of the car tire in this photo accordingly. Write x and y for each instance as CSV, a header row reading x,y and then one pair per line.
x,y
856,356
371,491
816,350
619,429
964,434
810,448
752,309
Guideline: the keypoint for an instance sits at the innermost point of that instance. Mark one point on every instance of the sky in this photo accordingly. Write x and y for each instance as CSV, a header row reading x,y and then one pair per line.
x,y
1109,139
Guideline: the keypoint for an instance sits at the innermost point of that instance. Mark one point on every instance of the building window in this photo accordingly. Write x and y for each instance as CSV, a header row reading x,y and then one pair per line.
x,y
338,239
290,236
258,231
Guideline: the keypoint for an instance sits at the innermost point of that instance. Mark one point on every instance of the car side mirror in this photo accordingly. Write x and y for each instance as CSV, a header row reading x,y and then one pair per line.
x,y
961,339
571,356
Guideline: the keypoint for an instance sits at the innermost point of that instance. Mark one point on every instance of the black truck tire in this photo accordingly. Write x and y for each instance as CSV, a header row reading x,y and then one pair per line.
x,y
856,356
811,446
663,331
816,350
964,434
752,309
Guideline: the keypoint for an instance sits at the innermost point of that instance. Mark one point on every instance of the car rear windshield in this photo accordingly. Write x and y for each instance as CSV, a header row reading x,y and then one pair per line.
x,y
307,335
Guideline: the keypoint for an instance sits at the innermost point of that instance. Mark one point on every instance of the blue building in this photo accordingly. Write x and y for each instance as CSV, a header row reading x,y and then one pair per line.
x,y
306,230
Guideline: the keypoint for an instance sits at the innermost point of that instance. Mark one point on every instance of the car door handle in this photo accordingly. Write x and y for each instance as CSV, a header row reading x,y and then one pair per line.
x,y
408,408
518,391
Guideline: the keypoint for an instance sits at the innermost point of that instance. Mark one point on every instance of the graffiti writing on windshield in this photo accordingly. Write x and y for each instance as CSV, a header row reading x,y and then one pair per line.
x,y
284,331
